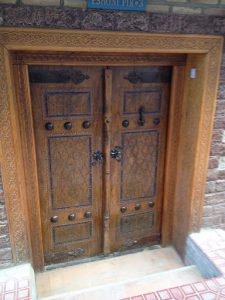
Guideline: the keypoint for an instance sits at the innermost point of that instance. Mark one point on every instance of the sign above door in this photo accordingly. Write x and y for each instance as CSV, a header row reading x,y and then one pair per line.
x,y
135,5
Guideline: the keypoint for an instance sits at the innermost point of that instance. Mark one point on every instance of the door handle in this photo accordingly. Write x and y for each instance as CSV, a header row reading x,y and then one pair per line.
x,y
116,153
141,120
97,157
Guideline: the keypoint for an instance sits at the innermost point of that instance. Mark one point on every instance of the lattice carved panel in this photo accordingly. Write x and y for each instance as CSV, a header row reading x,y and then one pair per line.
x,y
139,164
70,170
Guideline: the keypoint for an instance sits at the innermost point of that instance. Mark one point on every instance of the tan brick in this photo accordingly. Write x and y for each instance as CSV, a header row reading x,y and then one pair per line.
x,y
42,2
205,1
214,11
8,1
187,10
76,3
157,8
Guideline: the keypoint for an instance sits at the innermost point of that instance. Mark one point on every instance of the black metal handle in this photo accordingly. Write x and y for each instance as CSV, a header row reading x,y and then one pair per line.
x,y
141,120
116,153
97,157
156,121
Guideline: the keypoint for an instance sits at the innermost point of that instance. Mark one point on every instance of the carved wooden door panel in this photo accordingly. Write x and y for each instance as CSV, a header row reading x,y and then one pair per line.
x,y
140,101
67,114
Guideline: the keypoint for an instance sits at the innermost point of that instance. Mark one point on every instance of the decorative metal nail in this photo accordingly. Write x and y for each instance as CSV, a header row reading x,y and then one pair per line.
x,y
137,206
125,123
88,214
68,125
123,209
71,217
86,124
49,126
54,219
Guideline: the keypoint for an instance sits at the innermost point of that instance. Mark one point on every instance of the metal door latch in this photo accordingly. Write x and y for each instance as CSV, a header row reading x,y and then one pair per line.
x,y
97,157
116,153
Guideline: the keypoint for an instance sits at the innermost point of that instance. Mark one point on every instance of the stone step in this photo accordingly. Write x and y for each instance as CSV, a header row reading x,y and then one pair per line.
x,y
137,286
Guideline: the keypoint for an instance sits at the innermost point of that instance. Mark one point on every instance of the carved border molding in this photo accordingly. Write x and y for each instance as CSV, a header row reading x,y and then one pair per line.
x,y
40,40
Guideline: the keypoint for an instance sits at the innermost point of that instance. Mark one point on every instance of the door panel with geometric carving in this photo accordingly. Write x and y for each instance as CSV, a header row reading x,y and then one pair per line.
x,y
67,113
139,108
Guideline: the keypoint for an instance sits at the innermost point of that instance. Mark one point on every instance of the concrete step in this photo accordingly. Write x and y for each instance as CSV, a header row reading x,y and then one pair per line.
x,y
111,270
136,286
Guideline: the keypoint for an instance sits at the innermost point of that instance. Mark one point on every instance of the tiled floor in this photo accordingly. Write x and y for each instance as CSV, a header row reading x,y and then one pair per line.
x,y
117,277
212,244
150,275
211,289
17,283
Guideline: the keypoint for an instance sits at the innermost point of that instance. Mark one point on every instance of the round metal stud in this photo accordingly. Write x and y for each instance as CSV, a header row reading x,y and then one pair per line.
x,y
125,123
67,125
49,126
156,121
86,124
54,219
151,204
137,206
88,214
123,209
71,217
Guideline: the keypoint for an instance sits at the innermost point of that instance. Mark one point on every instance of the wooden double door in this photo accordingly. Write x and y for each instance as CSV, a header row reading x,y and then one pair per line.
x,y
100,136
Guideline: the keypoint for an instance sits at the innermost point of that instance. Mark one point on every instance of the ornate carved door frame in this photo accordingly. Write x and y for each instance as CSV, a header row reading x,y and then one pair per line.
x,y
194,99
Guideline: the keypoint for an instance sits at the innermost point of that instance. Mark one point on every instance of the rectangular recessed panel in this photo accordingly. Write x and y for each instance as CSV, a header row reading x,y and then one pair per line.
x,y
72,233
150,100
139,164
64,104
136,222
70,166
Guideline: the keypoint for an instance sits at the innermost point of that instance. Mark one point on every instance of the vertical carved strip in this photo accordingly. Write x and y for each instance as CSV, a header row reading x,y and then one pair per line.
x,y
207,120
30,165
10,163
107,149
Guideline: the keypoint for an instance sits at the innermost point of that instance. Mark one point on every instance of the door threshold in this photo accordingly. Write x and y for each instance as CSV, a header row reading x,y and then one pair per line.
x,y
100,257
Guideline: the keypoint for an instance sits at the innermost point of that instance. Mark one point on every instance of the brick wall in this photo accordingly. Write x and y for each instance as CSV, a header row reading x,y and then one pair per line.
x,y
69,17
193,7
214,209
5,250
